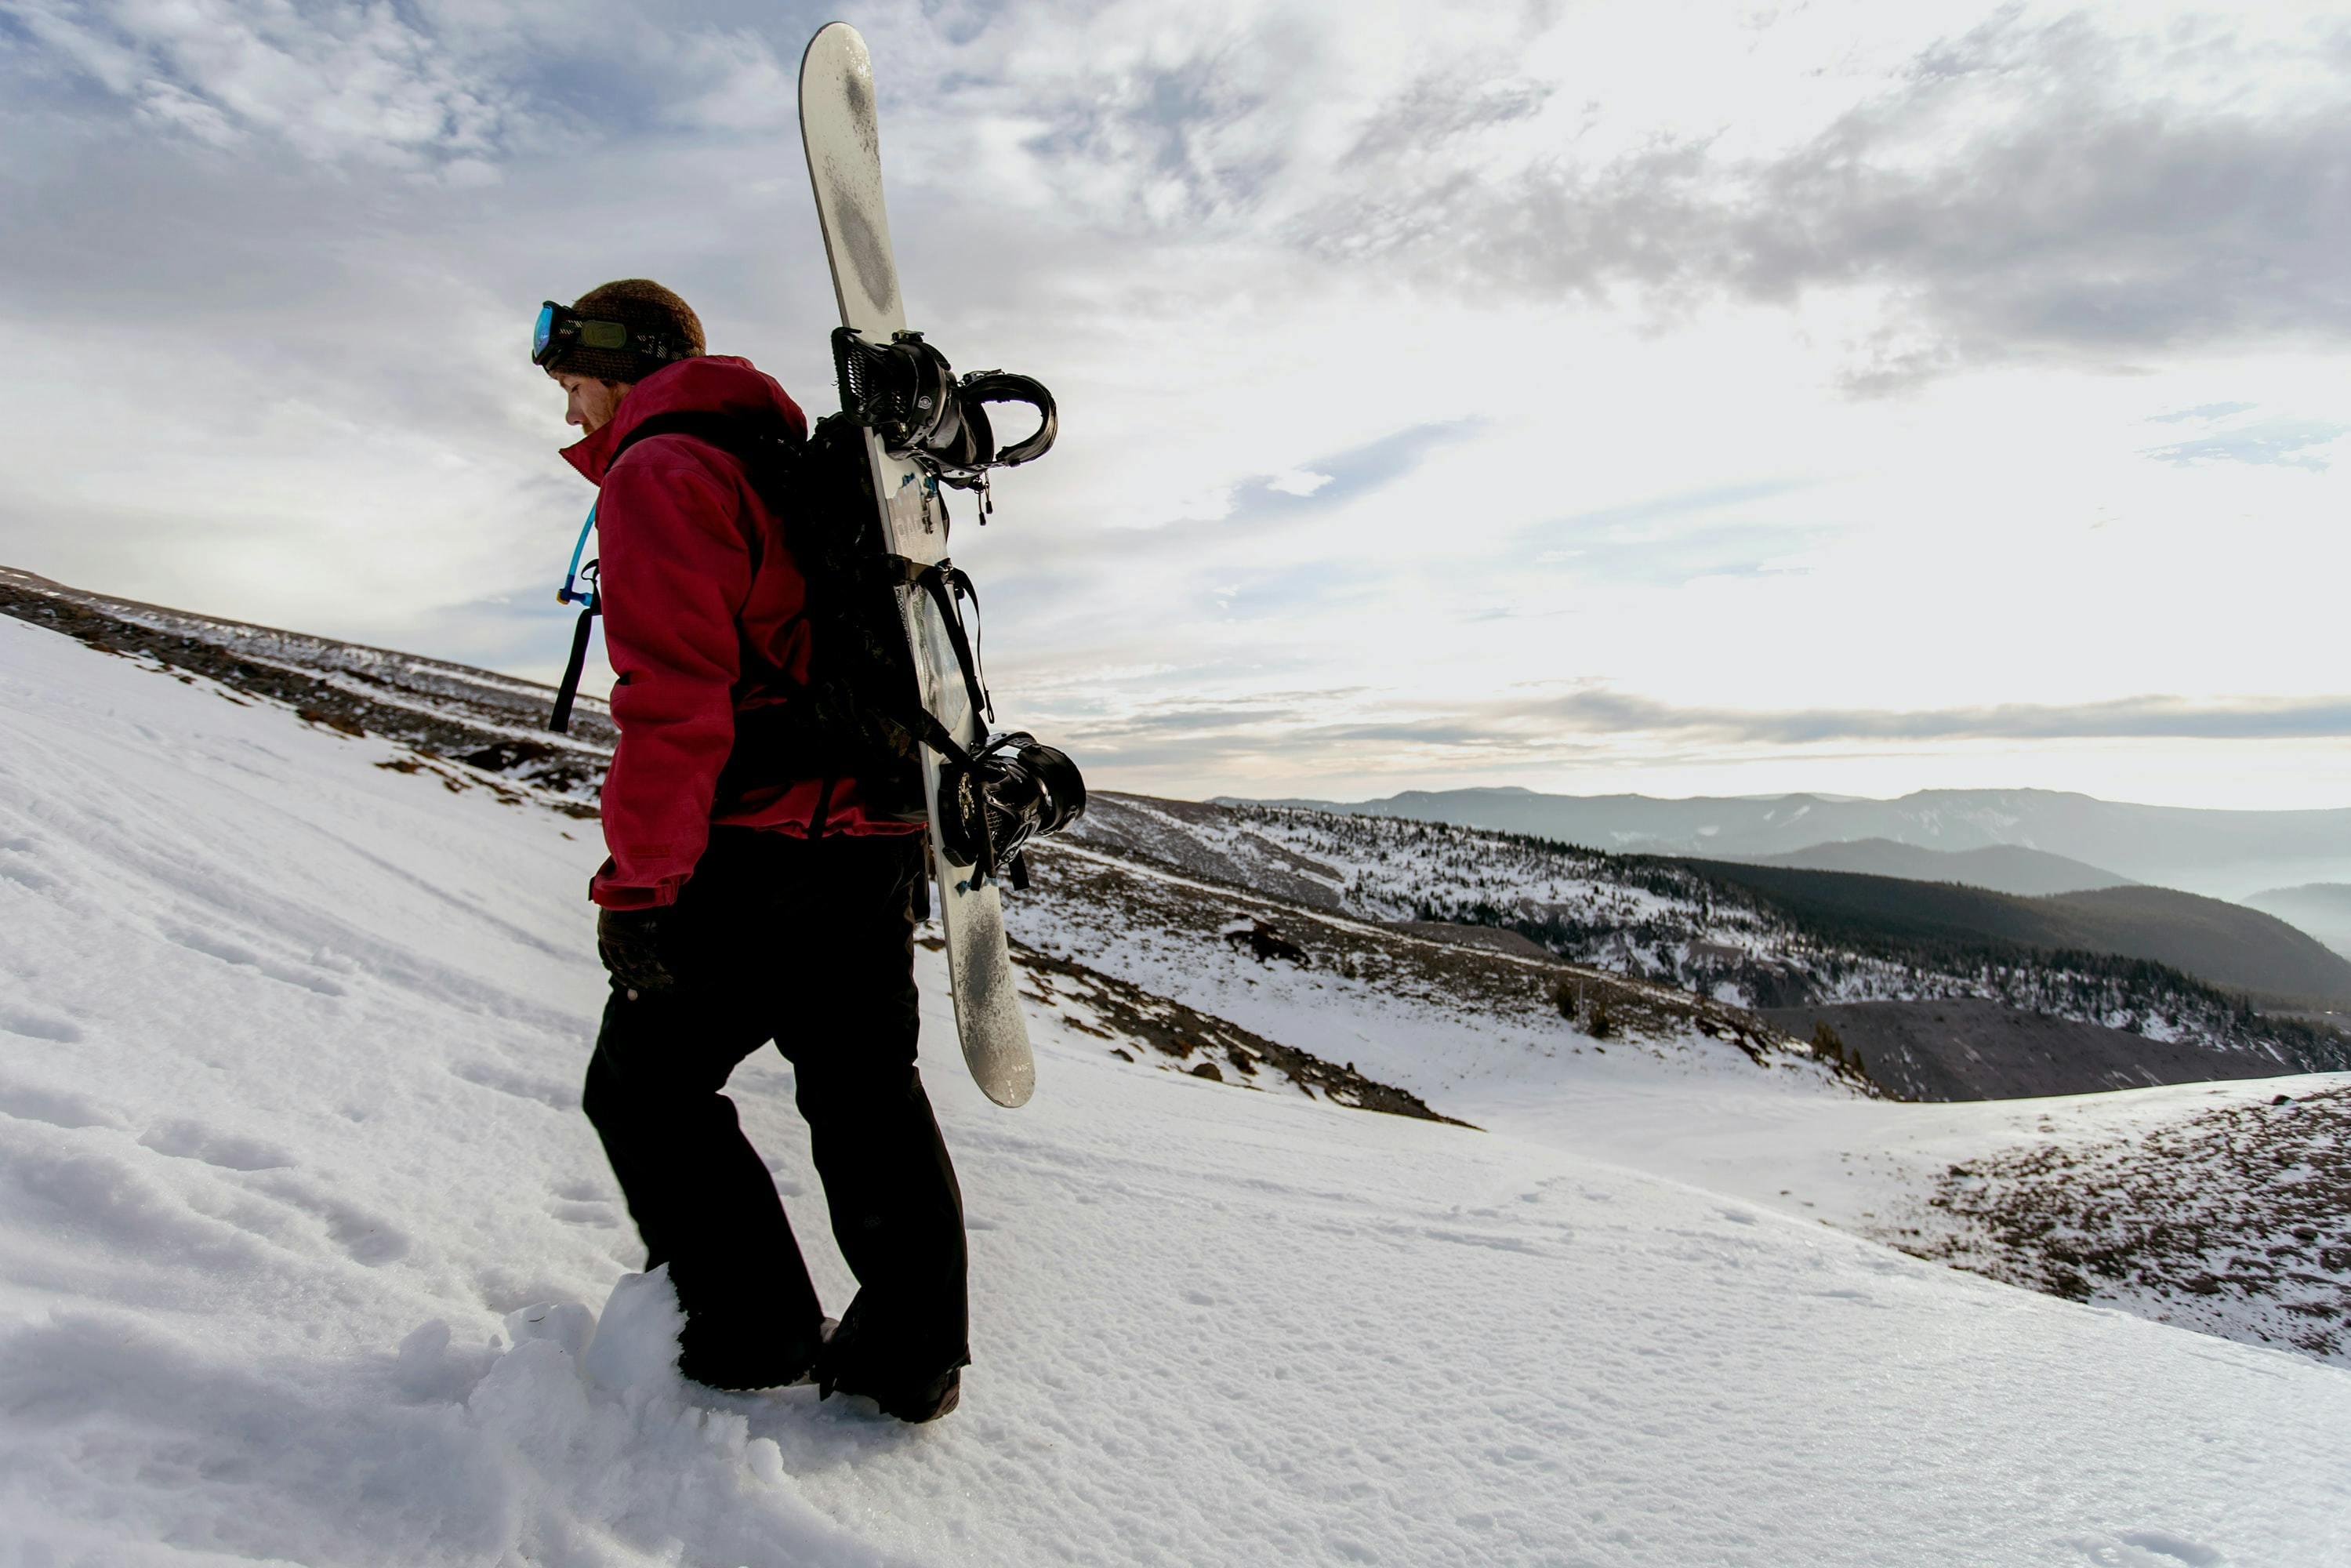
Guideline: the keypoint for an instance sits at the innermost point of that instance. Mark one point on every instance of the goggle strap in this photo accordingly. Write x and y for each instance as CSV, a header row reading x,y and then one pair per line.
x,y
561,325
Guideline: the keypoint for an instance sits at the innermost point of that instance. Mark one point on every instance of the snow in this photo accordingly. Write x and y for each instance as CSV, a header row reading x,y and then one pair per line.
x,y
1654,922
307,1257
1514,1070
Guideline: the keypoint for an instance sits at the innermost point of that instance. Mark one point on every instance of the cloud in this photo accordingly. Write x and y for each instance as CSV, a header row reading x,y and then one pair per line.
x,y
1355,324
1288,591
1674,538
2204,413
1338,477
2139,718
2028,190
1189,131
337,81
1348,731
2285,442
1449,104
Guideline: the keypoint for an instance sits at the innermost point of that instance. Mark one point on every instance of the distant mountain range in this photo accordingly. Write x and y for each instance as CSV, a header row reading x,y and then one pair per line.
x,y
2225,855
2003,868
2323,909
2223,944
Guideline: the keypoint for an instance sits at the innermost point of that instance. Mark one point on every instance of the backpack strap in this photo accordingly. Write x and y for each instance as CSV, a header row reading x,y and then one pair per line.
x,y
761,446
769,449
590,601
752,440
757,445
559,721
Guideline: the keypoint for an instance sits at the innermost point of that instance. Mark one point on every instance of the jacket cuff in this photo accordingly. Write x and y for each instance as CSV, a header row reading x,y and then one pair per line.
x,y
609,893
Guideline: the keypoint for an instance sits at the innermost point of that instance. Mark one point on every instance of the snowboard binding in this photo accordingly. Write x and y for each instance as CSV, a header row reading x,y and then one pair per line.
x,y
910,396
993,801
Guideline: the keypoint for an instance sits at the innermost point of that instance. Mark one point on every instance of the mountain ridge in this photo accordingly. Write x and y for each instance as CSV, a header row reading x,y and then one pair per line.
x,y
2323,909
2002,868
2217,853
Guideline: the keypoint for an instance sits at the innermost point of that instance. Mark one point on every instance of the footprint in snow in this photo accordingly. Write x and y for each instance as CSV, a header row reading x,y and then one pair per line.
x,y
39,1026
237,955
556,1096
2150,1549
212,946
16,864
366,1238
229,1152
27,1103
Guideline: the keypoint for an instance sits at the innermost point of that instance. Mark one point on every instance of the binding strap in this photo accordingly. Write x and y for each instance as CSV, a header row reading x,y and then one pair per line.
x,y
746,439
946,584
1003,386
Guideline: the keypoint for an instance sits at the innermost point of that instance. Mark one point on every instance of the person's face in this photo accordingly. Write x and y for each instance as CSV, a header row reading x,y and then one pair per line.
x,y
589,403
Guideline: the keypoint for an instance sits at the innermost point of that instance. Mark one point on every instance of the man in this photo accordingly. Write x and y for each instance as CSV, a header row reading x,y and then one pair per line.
x,y
746,897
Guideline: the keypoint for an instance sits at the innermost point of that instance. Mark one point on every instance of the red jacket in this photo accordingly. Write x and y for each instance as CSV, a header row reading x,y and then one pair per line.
x,y
702,604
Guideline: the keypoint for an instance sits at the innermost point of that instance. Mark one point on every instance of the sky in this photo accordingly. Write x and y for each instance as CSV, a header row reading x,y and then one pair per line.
x,y
1681,398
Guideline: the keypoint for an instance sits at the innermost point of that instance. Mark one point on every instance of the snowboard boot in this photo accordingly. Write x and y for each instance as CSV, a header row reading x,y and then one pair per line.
x,y
733,1366
846,1365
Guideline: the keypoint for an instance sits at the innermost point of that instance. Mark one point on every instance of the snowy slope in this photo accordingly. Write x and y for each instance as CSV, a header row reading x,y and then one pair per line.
x,y
301,1238
1479,1033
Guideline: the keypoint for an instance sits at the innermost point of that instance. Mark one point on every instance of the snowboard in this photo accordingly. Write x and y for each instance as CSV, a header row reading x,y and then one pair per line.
x,y
839,129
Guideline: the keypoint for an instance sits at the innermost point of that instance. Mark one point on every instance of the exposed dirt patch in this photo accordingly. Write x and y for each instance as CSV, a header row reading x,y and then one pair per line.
x,y
1491,937
446,713
2236,1222
1198,1040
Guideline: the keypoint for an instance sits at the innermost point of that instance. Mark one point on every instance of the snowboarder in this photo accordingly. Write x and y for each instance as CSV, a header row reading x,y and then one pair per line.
x,y
747,897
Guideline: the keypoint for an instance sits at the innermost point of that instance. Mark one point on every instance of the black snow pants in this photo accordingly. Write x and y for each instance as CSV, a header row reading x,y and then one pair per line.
x,y
808,943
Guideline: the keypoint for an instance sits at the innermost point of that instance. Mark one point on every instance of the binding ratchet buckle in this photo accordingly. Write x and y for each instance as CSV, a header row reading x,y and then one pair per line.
x,y
906,394
993,802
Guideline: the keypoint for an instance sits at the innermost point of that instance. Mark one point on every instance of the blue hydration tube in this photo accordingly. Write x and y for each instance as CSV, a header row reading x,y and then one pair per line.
x,y
590,601
586,596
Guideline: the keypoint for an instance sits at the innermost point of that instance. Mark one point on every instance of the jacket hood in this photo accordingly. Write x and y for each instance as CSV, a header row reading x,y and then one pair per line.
x,y
709,383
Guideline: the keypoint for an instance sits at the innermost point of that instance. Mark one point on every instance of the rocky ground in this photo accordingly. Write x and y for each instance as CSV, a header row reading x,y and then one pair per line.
x,y
1188,1041
2235,1222
448,713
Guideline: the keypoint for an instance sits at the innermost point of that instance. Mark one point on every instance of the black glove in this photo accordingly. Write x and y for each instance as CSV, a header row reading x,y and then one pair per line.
x,y
631,942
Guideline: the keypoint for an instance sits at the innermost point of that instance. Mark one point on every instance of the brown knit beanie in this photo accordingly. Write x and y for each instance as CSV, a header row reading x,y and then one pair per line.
x,y
642,305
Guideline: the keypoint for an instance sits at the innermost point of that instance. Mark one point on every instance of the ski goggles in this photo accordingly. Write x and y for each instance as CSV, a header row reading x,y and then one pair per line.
x,y
561,328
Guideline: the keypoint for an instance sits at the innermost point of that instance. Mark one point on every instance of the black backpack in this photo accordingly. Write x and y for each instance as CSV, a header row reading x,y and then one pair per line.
x,y
860,713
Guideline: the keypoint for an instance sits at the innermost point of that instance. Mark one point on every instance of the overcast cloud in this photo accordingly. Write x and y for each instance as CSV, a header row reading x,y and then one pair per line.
x,y
1667,396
